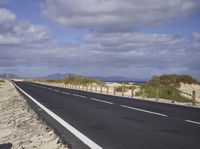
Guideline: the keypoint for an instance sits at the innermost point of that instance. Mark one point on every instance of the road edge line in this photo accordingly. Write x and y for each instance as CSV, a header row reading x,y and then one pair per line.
x,y
73,130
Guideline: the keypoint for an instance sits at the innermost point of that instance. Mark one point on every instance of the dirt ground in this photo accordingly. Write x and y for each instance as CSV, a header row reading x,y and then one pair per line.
x,y
20,127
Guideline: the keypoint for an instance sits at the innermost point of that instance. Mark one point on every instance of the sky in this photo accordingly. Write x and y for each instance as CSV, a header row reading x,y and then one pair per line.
x,y
132,38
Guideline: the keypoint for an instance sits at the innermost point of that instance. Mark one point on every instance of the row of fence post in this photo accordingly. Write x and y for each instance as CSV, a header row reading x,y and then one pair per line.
x,y
101,88
173,94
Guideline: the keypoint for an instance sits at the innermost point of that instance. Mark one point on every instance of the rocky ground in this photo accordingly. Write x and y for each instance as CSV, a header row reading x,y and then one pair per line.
x,y
20,126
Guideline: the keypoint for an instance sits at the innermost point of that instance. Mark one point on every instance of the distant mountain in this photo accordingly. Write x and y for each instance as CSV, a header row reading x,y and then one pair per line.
x,y
104,79
112,79
55,76
9,76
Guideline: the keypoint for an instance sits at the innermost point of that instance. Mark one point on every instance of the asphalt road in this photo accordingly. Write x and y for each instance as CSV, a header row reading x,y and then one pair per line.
x,y
121,123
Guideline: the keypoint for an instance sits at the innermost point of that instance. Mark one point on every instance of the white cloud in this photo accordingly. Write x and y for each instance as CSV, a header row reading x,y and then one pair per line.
x,y
117,14
26,47
196,36
120,42
141,61
6,16
13,31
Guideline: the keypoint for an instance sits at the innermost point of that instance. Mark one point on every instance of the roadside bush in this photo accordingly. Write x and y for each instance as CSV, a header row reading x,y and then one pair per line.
x,y
76,80
171,80
165,86
164,91
2,81
126,88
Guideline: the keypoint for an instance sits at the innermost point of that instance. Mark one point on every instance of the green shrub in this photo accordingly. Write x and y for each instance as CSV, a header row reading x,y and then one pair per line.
x,y
2,81
126,83
126,88
165,87
165,92
171,80
76,80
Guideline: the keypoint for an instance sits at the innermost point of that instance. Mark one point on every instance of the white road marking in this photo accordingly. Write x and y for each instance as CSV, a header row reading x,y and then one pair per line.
x,y
66,93
58,91
73,130
50,89
142,110
101,101
194,122
79,95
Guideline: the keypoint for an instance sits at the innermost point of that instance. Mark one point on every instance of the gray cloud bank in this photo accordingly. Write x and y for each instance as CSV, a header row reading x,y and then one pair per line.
x,y
117,15
108,49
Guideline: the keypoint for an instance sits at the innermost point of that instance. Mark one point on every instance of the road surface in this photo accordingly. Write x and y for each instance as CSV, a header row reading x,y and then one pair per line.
x,y
103,121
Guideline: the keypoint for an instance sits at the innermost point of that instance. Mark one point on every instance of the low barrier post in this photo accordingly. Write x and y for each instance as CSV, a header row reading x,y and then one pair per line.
x,y
193,97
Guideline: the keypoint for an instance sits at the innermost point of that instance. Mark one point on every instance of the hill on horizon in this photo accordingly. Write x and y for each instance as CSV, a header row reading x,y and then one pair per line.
x,y
9,76
104,79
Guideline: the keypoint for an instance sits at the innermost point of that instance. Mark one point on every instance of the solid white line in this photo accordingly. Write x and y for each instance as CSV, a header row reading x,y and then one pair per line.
x,y
194,122
101,101
142,110
79,95
73,130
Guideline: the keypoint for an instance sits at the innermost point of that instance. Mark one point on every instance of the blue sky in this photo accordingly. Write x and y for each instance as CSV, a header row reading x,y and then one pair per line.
x,y
131,38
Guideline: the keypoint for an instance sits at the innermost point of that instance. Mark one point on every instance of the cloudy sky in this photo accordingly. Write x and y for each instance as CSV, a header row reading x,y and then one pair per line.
x,y
131,38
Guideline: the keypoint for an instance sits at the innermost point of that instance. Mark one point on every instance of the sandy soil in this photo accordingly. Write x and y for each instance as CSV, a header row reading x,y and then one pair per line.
x,y
188,88
19,125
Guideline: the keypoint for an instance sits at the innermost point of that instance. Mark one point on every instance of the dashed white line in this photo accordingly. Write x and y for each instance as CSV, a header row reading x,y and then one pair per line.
x,y
142,110
50,89
56,90
73,130
66,93
194,122
79,95
101,101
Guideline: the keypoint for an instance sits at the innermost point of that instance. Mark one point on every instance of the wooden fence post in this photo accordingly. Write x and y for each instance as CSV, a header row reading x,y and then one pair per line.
x,y
86,87
173,96
96,88
193,97
114,92
157,94
91,87
143,93
123,89
107,89
132,92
